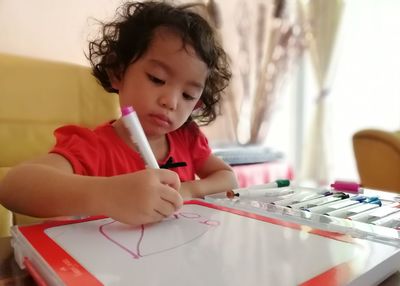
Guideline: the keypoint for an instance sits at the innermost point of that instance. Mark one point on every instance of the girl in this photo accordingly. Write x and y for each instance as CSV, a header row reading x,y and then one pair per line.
x,y
165,62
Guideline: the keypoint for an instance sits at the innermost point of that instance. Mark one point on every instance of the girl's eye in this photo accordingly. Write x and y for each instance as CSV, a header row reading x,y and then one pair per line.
x,y
156,80
188,96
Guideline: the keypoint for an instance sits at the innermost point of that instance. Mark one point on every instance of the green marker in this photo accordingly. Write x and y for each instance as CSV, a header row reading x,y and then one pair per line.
x,y
260,190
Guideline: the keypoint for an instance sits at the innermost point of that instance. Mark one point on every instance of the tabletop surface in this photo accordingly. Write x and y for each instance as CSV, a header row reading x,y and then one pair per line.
x,y
12,275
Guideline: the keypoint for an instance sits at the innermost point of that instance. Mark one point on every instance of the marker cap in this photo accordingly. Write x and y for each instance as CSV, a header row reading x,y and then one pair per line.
x,y
346,186
282,183
230,194
126,110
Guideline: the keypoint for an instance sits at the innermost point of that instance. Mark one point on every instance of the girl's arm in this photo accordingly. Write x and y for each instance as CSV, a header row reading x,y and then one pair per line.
x,y
47,187
215,176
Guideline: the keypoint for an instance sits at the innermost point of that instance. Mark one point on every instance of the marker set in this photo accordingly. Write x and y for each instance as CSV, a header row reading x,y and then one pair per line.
x,y
329,203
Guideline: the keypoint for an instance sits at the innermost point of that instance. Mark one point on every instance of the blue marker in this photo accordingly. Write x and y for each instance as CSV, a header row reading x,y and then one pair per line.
x,y
359,198
365,199
373,200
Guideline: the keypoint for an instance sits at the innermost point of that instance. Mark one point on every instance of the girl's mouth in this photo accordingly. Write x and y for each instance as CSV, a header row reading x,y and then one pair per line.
x,y
160,120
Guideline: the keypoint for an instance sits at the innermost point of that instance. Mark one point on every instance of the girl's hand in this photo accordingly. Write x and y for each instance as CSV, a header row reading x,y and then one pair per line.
x,y
142,197
188,190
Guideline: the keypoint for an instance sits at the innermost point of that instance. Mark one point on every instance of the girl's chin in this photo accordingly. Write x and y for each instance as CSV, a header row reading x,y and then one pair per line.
x,y
154,132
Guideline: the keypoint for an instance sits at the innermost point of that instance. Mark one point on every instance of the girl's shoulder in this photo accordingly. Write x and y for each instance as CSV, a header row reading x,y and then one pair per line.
x,y
68,133
71,129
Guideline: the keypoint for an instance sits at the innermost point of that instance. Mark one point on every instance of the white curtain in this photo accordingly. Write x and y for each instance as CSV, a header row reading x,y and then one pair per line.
x,y
324,17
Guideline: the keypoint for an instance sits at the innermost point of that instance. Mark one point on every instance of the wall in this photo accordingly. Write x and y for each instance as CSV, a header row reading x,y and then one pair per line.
x,y
52,29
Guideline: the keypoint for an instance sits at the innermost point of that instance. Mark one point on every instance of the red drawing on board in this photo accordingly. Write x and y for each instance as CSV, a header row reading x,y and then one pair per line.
x,y
137,241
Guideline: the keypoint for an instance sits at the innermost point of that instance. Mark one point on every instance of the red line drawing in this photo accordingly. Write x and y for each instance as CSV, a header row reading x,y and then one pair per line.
x,y
135,255
135,249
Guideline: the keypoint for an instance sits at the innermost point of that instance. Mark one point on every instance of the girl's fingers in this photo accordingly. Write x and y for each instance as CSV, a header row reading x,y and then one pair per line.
x,y
170,202
172,198
170,178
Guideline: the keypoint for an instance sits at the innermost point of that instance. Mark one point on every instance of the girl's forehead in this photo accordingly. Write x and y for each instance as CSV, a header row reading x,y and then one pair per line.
x,y
168,46
166,39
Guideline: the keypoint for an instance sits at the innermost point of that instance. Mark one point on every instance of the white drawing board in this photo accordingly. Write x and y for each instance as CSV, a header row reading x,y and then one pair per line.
x,y
202,244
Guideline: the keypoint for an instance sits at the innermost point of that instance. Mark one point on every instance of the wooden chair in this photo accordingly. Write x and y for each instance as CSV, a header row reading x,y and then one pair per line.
x,y
377,154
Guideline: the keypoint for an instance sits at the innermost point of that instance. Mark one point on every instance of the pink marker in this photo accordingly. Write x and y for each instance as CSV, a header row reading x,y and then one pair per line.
x,y
132,123
350,187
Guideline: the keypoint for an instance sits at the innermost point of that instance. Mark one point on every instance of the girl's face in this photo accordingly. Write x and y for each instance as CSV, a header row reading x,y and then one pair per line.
x,y
164,85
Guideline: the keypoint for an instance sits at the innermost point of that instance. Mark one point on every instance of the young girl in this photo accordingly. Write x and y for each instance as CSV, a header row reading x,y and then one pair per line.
x,y
165,62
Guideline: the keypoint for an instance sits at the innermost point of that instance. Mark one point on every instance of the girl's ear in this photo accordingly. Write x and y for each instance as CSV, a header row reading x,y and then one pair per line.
x,y
115,79
114,73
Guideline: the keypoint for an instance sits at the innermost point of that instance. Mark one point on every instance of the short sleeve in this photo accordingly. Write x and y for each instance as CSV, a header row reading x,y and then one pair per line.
x,y
200,149
79,146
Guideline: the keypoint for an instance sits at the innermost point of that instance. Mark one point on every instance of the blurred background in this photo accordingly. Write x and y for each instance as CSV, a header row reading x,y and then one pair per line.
x,y
307,74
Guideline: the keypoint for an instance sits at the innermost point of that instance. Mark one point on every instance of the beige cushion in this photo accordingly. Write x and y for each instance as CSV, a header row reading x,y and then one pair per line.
x,y
37,96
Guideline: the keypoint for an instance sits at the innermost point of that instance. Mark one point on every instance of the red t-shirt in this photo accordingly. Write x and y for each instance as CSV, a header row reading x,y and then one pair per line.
x,y
101,152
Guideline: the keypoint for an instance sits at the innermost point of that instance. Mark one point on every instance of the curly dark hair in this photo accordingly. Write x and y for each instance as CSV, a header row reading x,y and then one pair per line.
x,y
124,40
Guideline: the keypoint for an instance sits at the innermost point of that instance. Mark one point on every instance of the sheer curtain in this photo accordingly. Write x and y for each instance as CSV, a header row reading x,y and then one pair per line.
x,y
324,17
366,89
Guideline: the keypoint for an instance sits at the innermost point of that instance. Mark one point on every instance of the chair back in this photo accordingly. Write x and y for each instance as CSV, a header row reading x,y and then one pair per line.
x,y
377,154
36,97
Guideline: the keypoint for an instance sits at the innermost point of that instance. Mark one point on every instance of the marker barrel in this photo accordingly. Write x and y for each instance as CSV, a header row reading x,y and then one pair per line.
x,y
254,193
132,123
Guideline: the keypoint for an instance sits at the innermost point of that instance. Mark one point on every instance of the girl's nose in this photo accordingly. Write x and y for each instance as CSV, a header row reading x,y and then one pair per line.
x,y
169,100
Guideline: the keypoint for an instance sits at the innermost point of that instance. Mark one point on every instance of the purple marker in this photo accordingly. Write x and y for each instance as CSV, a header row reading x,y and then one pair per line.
x,y
132,123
